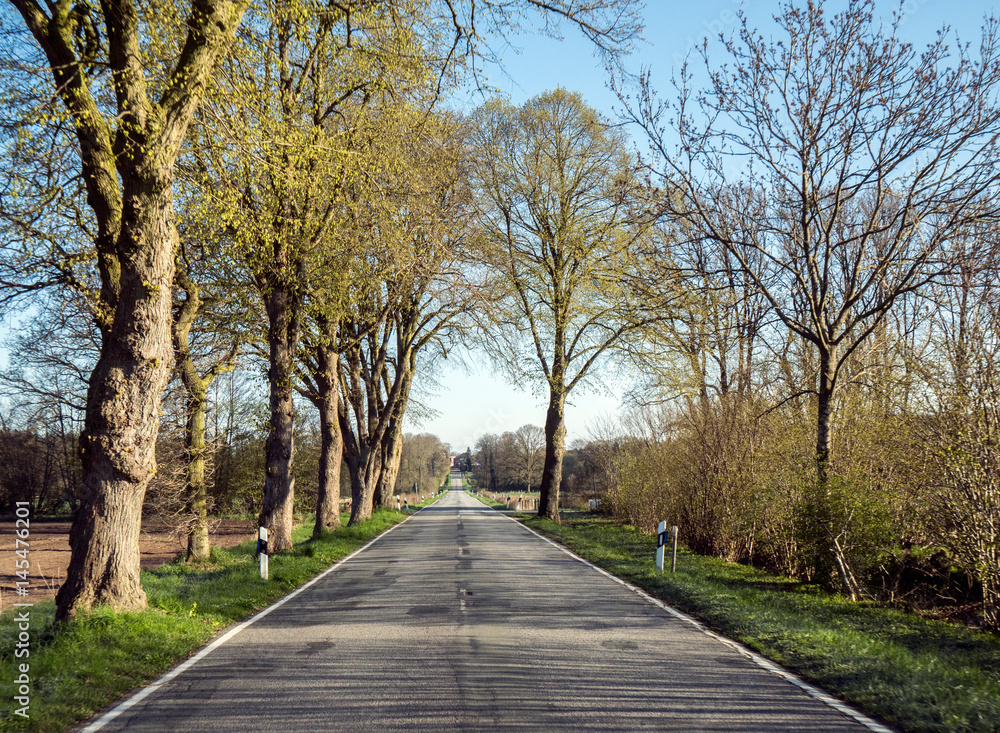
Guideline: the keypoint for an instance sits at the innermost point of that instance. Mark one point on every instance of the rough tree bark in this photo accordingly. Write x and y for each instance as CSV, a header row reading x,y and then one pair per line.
x,y
330,459
321,363
392,454
122,419
555,449
194,447
196,407
362,466
358,446
279,479
392,443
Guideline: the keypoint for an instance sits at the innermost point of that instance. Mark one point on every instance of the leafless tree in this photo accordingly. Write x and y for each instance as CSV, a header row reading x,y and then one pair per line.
x,y
45,384
836,164
529,445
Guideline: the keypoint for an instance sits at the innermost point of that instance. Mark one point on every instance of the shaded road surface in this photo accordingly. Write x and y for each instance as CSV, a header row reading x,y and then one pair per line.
x,y
462,620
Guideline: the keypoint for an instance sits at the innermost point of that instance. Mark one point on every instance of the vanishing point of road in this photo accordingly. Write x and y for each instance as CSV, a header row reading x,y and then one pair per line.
x,y
460,619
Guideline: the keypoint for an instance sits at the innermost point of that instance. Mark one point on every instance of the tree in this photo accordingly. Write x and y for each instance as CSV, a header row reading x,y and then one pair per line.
x,y
486,467
413,225
866,160
196,383
124,83
965,505
555,186
510,461
529,444
319,376
421,460
961,425
277,152
713,344
129,125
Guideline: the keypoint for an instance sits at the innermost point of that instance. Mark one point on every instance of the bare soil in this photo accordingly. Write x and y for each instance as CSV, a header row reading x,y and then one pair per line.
x,y
49,552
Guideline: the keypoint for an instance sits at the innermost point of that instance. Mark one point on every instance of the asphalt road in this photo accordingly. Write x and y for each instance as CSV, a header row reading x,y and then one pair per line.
x,y
462,620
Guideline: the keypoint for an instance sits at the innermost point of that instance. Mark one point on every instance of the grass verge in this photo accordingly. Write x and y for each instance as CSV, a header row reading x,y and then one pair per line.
x,y
486,499
917,674
82,666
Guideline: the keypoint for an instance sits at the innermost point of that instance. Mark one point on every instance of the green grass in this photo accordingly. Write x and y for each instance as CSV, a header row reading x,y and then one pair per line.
x,y
426,502
486,500
83,665
525,494
918,674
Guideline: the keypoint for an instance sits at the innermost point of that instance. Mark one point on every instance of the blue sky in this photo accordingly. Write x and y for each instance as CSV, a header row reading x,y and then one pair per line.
x,y
472,399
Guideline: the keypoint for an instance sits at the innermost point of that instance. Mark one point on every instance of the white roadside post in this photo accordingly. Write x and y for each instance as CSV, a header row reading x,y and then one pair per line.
x,y
673,560
262,551
660,543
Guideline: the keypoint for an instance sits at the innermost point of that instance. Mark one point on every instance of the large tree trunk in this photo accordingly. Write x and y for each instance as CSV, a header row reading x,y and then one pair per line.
x,y
371,472
555,448
123,407
279,479
380,496
393,454
330,458
361,501
829,554
356,446
322,362
392,444
362,489
357,459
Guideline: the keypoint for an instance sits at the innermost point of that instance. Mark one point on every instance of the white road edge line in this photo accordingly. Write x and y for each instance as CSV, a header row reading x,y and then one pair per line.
x,y
760,661
205,651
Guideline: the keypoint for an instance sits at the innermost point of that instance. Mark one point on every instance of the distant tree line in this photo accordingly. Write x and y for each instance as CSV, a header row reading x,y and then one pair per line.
x,y
512,463
424,463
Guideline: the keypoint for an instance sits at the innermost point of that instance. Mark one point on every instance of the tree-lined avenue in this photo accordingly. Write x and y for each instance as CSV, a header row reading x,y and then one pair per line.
x,y
460,619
